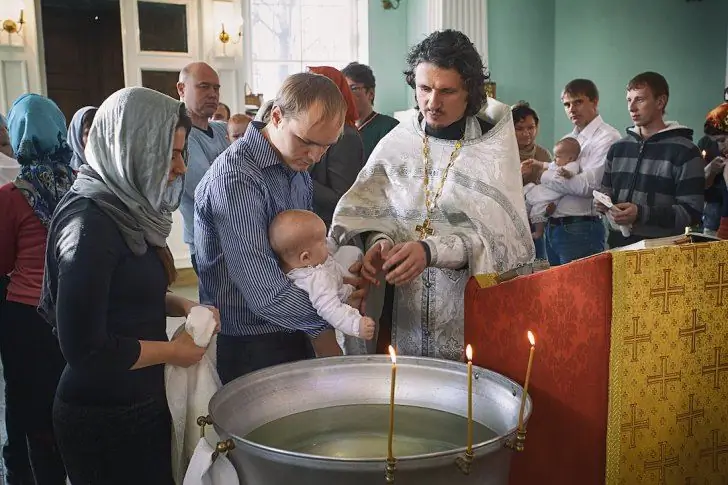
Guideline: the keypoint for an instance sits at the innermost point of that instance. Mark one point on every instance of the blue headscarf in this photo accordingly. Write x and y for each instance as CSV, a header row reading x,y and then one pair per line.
x,y
38,137
75,137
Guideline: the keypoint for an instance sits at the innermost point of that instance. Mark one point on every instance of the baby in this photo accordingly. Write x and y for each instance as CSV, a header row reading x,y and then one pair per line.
x,y
237,125
539,197
299,240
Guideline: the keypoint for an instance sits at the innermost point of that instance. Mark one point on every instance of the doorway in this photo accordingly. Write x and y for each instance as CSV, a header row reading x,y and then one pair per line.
x,y
83,52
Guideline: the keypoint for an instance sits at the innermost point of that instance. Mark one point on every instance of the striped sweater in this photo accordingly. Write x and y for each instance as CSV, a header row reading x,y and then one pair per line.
x,y
662,175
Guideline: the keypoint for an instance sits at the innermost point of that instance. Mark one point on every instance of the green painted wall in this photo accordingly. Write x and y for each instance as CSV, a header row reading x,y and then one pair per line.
x,y
610,41
521,56
387,50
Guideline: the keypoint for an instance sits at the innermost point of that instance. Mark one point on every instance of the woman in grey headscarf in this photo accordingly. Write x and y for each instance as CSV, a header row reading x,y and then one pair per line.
x,y
108,269
78,131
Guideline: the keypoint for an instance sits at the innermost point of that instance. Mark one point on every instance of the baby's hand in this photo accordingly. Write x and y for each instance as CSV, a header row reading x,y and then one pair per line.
x,y
565,173
366,328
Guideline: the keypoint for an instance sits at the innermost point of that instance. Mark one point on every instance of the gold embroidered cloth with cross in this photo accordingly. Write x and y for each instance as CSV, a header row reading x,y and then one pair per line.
x,y
668,421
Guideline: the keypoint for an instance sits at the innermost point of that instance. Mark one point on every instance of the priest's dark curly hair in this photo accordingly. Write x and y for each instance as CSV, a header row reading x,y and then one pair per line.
x,y
451,49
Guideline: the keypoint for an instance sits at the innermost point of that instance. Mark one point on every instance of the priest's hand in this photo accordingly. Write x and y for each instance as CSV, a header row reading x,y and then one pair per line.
x,y
626,215
406,262
373,261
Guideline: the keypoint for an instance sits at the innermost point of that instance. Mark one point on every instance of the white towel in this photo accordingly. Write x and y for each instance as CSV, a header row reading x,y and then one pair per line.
x,y
203,471
189,390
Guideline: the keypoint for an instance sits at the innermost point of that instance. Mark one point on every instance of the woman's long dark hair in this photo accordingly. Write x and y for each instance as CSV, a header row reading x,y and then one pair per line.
x,y
450,49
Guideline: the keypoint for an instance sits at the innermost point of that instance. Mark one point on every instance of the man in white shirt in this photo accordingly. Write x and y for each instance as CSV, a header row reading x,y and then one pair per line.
x,y
574,230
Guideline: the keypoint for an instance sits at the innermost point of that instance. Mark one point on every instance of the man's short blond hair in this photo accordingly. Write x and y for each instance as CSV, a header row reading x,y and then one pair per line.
x,y
300,92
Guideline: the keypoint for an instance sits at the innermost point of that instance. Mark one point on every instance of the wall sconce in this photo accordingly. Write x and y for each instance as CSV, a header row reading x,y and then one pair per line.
x,y
390,4
224,37
12,27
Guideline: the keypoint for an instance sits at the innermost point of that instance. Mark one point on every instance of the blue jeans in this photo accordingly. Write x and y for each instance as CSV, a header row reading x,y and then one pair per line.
x,y
575,240
711,215
540,245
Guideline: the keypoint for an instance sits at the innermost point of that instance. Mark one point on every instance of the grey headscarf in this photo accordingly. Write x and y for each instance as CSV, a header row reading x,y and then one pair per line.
x,y
129,153
75,137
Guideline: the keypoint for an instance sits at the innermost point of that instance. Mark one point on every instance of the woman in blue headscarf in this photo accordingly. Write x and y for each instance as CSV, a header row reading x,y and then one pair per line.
x,y
78,132
32,360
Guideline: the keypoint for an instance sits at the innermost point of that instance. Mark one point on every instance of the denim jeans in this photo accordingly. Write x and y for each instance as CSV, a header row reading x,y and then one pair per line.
x,y
711,215
575,240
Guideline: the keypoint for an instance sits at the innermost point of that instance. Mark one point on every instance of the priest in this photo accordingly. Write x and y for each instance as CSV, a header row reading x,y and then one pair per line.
x,y
440,199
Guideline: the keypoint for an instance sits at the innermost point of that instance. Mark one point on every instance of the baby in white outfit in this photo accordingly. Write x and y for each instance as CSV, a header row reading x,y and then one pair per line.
x,y
299,240
539,197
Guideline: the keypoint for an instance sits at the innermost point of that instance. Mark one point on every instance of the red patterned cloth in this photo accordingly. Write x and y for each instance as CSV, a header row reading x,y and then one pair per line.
x,y
568,308
723,229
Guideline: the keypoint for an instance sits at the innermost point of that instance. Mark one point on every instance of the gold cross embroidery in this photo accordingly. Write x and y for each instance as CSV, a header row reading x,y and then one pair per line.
x,y
690,415
667,291
720,285
715,451
716,369
693,331
636,338
664,377
662,464
633,425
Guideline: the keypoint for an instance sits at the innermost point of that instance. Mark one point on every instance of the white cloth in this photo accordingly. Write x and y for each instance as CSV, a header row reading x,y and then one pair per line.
x,y
203,471
328,294
595,140
9,169
480,222
538,197
189,390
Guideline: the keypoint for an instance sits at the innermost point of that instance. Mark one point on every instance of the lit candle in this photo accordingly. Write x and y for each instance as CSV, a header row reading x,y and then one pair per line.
x,y
532,340
704,153
469,355
390,453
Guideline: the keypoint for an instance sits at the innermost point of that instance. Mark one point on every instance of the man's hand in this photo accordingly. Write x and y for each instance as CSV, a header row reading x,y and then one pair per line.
x,y
716,165
406,262
359,297
373,261
626,215
564,173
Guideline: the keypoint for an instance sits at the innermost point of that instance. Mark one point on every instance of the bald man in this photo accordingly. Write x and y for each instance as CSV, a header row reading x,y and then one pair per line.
x,y
199,90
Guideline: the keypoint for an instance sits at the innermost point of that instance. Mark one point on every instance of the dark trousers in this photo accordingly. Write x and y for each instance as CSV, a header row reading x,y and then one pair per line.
x,y
237,356
115,445
574,240
32,364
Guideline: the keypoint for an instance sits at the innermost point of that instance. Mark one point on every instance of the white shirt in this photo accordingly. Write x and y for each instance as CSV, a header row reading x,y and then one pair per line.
x,y
328,294
9,169
595,140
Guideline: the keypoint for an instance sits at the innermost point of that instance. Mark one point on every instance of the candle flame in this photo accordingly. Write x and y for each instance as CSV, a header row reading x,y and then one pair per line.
x,y
392,355
531,339
704,153
469,352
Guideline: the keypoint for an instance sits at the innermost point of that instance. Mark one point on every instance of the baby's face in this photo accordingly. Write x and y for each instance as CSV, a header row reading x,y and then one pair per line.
x,y
236,130
564,154
318,252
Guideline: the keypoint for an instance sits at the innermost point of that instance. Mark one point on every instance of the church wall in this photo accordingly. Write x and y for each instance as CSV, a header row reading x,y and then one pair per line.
x,y
610,41
521,56
387,49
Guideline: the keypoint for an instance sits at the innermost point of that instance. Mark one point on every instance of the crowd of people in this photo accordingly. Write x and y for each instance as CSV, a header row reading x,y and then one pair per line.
x,y
320,215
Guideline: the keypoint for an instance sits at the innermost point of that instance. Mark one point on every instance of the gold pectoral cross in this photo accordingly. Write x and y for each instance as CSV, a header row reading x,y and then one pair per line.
x,y
424,229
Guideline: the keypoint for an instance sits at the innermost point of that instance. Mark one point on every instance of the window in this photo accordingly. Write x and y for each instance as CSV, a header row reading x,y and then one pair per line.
x,y
290,35
171,38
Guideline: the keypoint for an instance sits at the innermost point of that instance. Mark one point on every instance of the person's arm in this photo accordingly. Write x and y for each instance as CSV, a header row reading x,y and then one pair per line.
x,y
323,293
447,252
689,198
582,184
8,235
240,215
178,306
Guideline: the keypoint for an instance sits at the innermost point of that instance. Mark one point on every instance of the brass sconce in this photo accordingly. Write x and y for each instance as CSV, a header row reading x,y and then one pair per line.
x,y
224,37
12,27
390,4
490,89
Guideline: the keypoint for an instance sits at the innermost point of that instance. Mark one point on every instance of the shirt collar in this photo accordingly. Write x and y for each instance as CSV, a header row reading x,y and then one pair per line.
x,y
265,156
589,130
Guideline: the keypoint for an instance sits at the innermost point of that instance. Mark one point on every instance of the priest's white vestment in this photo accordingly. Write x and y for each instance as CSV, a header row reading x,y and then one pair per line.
x,y
480,223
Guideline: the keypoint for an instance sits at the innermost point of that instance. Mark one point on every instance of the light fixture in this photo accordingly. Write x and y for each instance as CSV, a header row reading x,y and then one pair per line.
x,y
224,36
12,27
390,4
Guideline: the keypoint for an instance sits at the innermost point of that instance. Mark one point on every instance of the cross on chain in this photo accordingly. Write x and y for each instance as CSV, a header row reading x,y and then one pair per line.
x,y
638,259
634,425
721,284
693,331
425,229
664,377
667,291
690,415
662,464
694,248
716,369
635,338
715,451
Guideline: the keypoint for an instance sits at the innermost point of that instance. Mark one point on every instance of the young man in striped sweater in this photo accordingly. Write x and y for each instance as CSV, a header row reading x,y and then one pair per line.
x,y
655,173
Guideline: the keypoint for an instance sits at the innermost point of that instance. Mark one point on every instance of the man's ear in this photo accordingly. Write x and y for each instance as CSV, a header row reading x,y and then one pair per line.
x,y
276,116
181,90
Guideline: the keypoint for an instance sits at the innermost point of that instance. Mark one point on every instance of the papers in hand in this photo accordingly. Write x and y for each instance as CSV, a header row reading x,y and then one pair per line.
x,y
606,201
